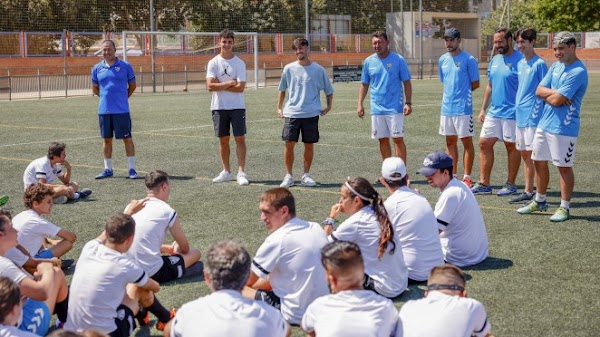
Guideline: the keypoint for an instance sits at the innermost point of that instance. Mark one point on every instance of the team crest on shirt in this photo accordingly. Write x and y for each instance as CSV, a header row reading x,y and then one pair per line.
x,y
117,69
389,66
508,65
527,71
457,64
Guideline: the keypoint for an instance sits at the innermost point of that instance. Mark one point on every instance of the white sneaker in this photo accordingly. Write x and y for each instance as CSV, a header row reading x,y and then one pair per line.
x,y
223,177
307,181
60,200
288,181
242,179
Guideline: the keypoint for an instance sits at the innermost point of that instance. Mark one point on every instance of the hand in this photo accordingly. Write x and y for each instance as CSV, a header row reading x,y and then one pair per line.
x,y
481,117
135,206
44,267
414,189
232,83
280,112
66,164
407,109
360,112
385,184
325,111
55,262
335,210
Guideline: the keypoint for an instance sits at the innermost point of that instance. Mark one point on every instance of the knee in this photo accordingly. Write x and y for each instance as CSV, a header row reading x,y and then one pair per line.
x,y
240,140
224,140
107,141
399,141
74,186
146,297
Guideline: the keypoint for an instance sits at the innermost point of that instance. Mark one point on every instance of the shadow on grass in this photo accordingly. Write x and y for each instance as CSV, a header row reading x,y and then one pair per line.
x,y
413,292
491,263
193,275
181,177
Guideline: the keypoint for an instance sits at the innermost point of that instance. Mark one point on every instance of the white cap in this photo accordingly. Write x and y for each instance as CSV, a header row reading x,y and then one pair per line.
x,y
393,168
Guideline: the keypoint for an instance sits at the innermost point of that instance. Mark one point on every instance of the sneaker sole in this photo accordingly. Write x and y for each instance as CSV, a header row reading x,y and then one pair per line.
x,y
479,192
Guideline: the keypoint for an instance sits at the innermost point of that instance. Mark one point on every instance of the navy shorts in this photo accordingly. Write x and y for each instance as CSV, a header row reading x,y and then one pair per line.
x,y
309,127
118,125
222,119
269,297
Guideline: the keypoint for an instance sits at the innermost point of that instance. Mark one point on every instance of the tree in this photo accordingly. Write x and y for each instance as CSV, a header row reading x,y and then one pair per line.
x,y
521,15
571,15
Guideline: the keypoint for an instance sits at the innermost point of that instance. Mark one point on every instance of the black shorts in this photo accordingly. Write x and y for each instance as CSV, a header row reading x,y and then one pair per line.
x,y
118,125
173,268
125,322
222,119
309,127
269,297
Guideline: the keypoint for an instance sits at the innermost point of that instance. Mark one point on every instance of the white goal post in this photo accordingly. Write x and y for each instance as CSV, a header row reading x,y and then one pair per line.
x,y
186,44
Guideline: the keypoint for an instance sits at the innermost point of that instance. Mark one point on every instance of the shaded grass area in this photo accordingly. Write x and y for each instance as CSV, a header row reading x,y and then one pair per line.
x,y
540,278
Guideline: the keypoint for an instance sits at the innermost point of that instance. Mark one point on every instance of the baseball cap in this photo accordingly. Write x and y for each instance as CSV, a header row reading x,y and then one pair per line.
x,y
564,37
452,33
393,168
435,161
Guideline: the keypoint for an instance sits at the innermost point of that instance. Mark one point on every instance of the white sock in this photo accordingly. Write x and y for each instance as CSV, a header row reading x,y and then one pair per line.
x,y
131,162
540,197
465,176
565,204
76,196
108,164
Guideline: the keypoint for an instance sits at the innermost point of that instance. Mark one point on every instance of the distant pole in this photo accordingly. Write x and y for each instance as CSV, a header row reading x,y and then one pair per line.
x,y
421,39
508,14
152,47
306,20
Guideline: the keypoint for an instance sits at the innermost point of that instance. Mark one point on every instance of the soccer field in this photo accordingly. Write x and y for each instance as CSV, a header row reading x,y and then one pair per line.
x,y
540,278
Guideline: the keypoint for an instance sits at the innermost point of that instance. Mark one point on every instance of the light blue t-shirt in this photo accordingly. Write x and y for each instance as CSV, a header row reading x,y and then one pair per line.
x,y
570,81
385,77
457,73
502,74
305,84
528,106
114,82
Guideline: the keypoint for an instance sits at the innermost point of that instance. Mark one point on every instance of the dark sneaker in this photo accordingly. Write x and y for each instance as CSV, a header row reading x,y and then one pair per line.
x,y
66,263
480,188
507,189
133,174
84,193
160,325
522,197
105,174
143,317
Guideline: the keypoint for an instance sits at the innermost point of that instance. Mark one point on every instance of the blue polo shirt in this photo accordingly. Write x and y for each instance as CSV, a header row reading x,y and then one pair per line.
x,y
385,77
114,82
570,81
457,73
502,74
529,107
305,84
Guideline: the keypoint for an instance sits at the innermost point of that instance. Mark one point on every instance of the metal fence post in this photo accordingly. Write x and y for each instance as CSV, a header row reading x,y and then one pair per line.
x,y
9,86
162,77
39,84
185,76
142,79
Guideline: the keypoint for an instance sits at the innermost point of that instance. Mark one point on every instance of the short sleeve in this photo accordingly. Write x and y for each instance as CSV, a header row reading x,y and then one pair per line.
x,y
41,169
95,75
547,80
440,72
473,68
308,320
283,84
45,227
571,84
10,270
267,257
482,325
404,72
210,69
328,88
241,71
347,231
130,74
445,208
364,75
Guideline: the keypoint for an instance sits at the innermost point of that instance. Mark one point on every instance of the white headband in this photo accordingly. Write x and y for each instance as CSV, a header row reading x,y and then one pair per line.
x,y
356,193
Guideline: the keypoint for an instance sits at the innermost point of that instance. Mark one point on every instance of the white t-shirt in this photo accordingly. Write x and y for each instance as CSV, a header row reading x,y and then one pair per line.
x,y
151,226
12,331
16,256
41,169
33,229
98,287
389,273
228,313
291,259
464,238
440,314
226,70
416,227
10,270
351,313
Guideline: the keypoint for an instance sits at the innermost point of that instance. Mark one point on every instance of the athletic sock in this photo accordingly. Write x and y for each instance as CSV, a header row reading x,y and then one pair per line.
x,y
60,309
540,198
108,164
565,204
159,311
131,162
76,196
141,314
465,176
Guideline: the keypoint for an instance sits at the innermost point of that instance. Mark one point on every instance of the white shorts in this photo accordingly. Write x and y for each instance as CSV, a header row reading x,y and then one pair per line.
x,y
503,129
387,126
461,126
525,138
552,147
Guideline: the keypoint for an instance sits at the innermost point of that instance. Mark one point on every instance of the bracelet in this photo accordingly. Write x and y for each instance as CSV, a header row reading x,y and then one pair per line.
x,y
408,103
330,222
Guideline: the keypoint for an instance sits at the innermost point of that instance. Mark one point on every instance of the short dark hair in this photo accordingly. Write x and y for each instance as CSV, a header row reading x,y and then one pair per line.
x,y
526,33
228,265
279,197
155,179
380,33
299,42
10,295
397,183
56,149
450,170
226,33
507,33
341,256
36,193
119,227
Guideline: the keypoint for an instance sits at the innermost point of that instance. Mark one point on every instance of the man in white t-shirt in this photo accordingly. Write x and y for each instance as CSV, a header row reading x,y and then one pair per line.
x,y
413,220
46,294
10,310
55,165
107,284
445,310
35,231
460,222
289,261
350,310
152,224
226,312
226,79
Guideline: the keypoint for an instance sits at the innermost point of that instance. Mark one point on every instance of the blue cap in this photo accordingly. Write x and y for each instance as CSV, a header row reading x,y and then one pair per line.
x,y
452,33
435,161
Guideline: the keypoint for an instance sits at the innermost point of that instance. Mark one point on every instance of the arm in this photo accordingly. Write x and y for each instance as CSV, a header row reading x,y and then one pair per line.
x,y
131,88
551,96
487,93
66,235
212,84
151,285
179,236
256,282
280,99
66,178
38,290
328,108
474,85
96,89
238,87
408,96
362,93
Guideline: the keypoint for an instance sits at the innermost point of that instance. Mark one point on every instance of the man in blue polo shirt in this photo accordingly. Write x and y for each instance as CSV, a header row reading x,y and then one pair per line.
x,y
499,123
386,72
113,81
460,74
555,138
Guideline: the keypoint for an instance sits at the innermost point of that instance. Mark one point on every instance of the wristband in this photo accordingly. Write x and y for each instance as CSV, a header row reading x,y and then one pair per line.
x,y
330,222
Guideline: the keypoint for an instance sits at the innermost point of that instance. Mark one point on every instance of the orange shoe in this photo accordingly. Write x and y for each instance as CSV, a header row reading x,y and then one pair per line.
x,y
145,320
467,181
160,325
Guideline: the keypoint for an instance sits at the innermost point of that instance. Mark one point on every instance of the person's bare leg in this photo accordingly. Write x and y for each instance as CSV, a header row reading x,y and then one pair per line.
x,y
452,151
513,160
469,155
107,148
240,150
61,248
486,159
129,147
567,182
288,156
385,148
225,151
542,176
529,169
309,154
400,148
